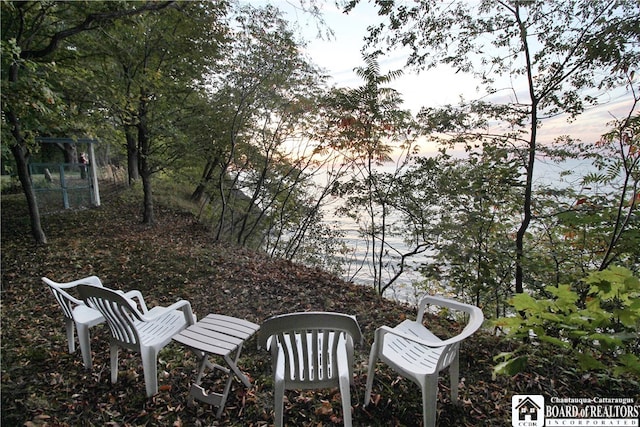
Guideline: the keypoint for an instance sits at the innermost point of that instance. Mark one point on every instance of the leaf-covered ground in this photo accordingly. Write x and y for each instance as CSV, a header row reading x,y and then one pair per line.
x,y
44,385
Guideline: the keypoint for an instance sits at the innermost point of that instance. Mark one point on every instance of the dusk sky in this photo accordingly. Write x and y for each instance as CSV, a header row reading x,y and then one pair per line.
x,y
433,88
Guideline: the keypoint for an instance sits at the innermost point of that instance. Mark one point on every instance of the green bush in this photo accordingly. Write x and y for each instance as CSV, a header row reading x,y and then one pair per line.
x,y
596,322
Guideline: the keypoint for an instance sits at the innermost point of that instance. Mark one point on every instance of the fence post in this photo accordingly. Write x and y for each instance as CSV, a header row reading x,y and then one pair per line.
x,y
95,193
63,185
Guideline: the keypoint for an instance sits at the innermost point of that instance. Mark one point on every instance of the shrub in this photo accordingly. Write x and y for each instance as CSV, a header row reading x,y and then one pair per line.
x,y
596,322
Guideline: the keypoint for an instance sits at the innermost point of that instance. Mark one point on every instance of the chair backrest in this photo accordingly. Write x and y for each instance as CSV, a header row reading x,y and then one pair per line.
x,y
476,318
309,345
120,313
68,302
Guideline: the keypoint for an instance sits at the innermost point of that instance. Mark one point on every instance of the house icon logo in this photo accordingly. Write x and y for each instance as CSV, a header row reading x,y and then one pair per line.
x,y
527,410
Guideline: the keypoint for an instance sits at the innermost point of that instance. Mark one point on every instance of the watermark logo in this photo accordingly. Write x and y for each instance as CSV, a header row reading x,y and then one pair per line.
x,y
527,410
532,411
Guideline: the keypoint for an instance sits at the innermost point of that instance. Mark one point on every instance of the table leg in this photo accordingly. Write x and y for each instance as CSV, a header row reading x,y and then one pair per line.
x,y
233,364
212,398
206,363
223,397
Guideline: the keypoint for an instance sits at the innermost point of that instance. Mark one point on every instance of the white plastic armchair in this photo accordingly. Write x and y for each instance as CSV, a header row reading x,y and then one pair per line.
x,y
76,313
311,350
144,331
416,353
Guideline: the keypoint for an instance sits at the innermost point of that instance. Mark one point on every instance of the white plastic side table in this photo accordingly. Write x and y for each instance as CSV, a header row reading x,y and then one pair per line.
x,y
218,335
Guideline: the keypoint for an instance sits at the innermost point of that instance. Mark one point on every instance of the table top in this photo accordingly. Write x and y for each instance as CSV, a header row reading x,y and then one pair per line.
x,y
217,334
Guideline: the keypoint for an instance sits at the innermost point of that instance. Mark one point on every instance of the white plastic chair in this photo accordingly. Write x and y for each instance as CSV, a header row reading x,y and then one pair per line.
x,y
416,353
76,313
146,331
311,350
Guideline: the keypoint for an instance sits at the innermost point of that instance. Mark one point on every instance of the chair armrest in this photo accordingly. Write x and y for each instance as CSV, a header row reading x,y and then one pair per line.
x,y
182,305
135,294
384,330
469,330
73,299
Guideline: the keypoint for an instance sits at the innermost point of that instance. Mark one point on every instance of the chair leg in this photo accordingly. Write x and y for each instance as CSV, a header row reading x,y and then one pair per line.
x,y
279,402
150,368
68,323
373,358
85,345
113,351
430,400
454,374
345,394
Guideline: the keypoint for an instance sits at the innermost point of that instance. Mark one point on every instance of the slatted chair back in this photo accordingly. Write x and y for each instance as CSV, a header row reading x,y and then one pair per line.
x,y
310,345
474,322
119,311
65,300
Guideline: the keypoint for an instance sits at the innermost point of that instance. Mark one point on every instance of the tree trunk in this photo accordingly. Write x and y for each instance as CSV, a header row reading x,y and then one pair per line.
x,y
132,155
528,191
19,152
148,216
207,174
46,46
526,218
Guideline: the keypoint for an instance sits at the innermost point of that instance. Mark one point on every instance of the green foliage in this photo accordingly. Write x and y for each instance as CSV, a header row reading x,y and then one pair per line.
x,y
29,97
464,210
585,223
594,322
